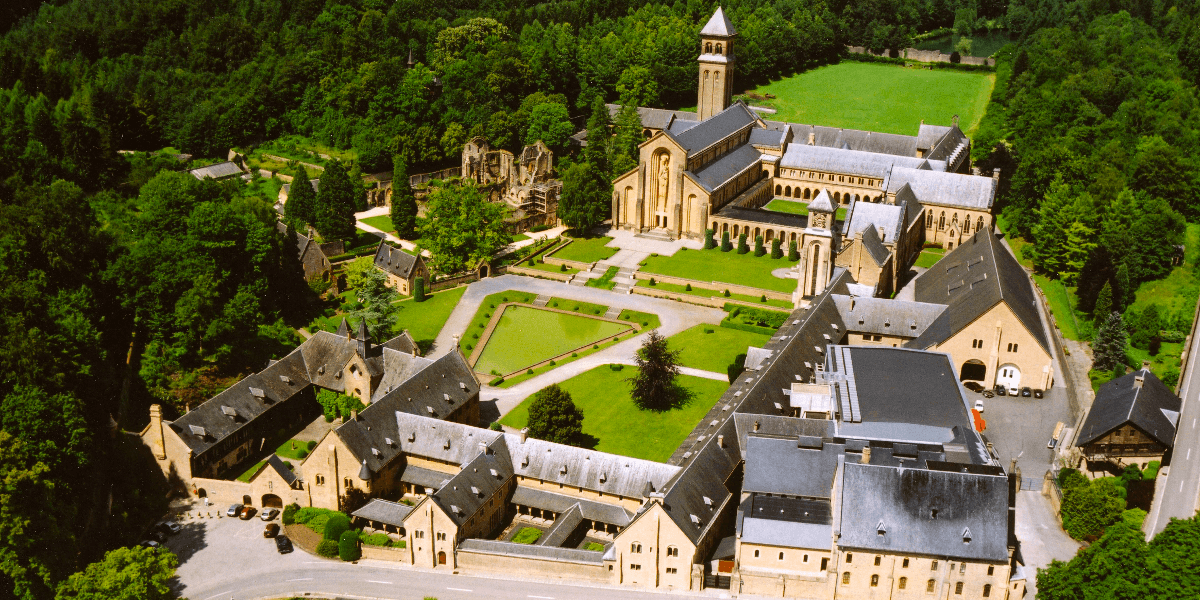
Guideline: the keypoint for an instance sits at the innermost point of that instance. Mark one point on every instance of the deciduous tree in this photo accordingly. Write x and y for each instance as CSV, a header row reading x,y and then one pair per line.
x,y
124,574
554,417
461,228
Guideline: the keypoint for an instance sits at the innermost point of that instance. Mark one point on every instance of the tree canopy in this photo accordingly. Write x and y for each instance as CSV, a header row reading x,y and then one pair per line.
x,y
461,228
124,574
654,386
553,416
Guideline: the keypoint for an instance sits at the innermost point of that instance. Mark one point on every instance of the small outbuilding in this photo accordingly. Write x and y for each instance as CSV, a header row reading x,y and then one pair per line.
x,y
402,269
1132,421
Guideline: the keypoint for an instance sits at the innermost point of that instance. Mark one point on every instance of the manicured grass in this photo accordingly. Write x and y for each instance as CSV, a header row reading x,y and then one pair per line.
x,y
252,471
648,321
541,266
583,308
730,267
1062,305
1017,244
586,250
880,97
424,320
796,208
486,308
605,281
594,547
520,237
527,535
285,450
619,427
929,257
680,289
382,223
716,350
527,335
583,352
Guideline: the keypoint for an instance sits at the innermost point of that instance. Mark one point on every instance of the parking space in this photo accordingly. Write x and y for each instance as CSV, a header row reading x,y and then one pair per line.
x,y
1020,427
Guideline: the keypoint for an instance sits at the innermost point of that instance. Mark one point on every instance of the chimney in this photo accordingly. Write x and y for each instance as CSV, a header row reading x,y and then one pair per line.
x,y
720,441
524,434
414,351
996,175
353,415
483,448
866,455
157,443
756,425
1139,379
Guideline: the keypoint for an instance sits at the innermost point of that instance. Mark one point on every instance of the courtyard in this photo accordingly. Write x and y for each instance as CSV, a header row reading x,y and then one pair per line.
x,y
586,249
796,208
713,348
724,267
525,336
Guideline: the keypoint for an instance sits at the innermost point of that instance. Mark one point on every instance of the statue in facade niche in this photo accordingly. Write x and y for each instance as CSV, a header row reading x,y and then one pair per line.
x,y
664,174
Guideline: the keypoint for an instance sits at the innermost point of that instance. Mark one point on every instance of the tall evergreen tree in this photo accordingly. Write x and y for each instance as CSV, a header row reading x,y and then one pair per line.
x,y
584,202
654,385
404,202
625,143
1124,291
1104,303
554,417
301,204
1108,349
336,204
596,152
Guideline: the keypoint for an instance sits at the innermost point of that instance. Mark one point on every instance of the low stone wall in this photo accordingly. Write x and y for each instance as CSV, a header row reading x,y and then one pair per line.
x,y
542,274
530,566
718,286
223,492
574,264
400,555
419,178
924,56
713,301
450,282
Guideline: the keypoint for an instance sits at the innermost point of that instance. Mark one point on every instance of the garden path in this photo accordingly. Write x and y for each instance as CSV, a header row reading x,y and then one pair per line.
x,y
380,211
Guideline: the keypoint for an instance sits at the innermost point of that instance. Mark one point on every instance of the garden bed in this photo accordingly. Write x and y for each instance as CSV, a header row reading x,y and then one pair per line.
x,y
524,336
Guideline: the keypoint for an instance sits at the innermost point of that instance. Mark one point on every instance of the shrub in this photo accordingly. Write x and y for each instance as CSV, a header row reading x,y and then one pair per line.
x,y
552,363
527,535
289,513
793,254
327,549
574,355
529,371
554,304
776,251
348,549
687,287
653,282
537,228
337,524
653,254
616,367
645,323
301,453
725,245
312,445
758,246
763,298
743,248
376,539
726,293
1151,470
469,347
709,330
496,426
419,290
709,242
496,381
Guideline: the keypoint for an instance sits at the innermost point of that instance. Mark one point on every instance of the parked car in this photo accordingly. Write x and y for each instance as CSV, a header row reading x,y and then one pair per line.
x,y
1054,436
1038,393
247,512
1026,392
234,510
170,527
989,394
269,513
149,544
271,530
158,536
979,406
974,387
1013,391
1000,390
282,544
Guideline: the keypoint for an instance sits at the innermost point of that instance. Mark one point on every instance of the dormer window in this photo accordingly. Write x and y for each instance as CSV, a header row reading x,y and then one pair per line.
x,y
966,534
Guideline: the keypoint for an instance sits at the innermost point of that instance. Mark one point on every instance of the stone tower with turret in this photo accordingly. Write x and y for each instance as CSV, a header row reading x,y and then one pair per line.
x,y
716,65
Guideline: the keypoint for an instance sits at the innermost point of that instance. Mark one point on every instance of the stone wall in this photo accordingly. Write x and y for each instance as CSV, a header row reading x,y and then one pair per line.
x,y
531,567
400,555
716,286
539,273
924,56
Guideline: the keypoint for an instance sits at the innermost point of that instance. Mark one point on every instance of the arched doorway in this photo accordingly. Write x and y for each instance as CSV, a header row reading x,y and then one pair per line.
x,y
272,501
1009,376
483,271
973,370
441,558
247,501
202,493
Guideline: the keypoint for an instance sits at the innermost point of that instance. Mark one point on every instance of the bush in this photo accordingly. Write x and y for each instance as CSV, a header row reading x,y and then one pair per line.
x,y
726,246
758,246
574,355
793,254
529,371
595,346
709,242
552,363
312,445
289,513
743,248
709,330
616,367
336,525
419,290
763,298
496,426
375,539
776,251
527,535
301,453
687,288
348,549
653,282
496,381
537,228
726,293
327,549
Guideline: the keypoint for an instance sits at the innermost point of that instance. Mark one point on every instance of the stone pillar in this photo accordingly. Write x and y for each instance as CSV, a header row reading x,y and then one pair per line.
x,y
157,441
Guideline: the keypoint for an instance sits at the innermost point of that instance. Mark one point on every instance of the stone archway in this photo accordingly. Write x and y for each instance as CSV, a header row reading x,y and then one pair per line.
x,y
247,501
441,558
973,370
201,493
272,501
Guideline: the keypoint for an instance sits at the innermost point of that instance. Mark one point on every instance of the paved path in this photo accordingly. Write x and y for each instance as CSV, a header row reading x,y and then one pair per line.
x,y
1042,538
1183,476
674,316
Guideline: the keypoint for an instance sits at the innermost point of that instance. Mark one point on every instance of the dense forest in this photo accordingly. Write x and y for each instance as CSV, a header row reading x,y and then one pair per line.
x,y
121,276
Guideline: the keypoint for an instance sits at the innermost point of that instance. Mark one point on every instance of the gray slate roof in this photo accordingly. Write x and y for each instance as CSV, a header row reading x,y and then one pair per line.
x,y
866,141
719,171
715,128
719,25
394,260
1153,408
930,135
426,478
821,202
568,555
863,215
384,511
559,503
767,137
779,426
587,469
217,171
970,280
787,522
874,247
484,475
903,500
767,217
780,466
656,118
282,469
564,525
953,190
887,317
851,162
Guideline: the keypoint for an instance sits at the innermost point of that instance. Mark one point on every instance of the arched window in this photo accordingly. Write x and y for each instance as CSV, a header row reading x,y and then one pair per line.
x,y
807,194
718,49
874,581
778,190
958,588
928,220
846,578
787,191
347,483
635,547
837,197
954,221
929,586
967,225
903,583
780,556
672,551
942,221
979,224
987,590
708,48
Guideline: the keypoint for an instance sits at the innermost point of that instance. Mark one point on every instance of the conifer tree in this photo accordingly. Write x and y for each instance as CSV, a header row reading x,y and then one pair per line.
x,y
742,246
776,251
624,149
709,242
596,152
726,246
654,386
554,417
1104,303
1108,349
404,202
793,254
301,205
758,246
336,204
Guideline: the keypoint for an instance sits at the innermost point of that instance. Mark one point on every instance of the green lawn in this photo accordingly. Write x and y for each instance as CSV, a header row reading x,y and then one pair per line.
x,y
480,320
1177,292
252,471
716,350
929,257
520,237
527,535
648,321
583,308
610,416
424,320
286,450
527,335
679,289
1062,304
382,223
879,97
541,266
1017,244
796,208
586,250
605,281
731,267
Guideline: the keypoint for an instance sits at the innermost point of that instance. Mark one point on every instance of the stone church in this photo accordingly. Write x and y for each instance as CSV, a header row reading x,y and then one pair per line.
x,y
718,167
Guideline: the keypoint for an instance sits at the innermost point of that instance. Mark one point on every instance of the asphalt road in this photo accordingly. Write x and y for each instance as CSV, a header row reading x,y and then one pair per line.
x,y
1179,499
222,559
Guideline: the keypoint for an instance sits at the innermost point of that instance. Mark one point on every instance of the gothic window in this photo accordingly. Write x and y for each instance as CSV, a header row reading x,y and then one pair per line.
x,y
635,548
987,590
718,49
708,48
672,551
929,587
778,190
979,224
942,221
874,581
846,578
903,583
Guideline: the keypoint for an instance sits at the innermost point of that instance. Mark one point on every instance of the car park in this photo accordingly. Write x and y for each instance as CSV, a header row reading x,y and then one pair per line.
x,y
271,530
979,406
1000,390
989,394
247,512
234,510
283,544
269,513
170,527
1014,391
1026,392
974,387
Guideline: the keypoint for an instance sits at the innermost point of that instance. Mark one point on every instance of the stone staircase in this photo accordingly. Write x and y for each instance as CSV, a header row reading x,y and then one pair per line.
x,y
541,300
625,280
655,234
613,312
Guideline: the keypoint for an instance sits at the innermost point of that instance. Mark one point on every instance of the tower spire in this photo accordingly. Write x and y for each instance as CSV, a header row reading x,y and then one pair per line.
x,y
716,65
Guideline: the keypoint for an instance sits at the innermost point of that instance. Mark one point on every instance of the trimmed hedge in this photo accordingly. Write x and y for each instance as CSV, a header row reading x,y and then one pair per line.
x,y
327,549
348,549
289,513
745,327
336,526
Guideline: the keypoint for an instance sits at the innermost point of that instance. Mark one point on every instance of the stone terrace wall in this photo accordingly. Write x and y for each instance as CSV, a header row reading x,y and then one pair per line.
x,y
924,56
400,555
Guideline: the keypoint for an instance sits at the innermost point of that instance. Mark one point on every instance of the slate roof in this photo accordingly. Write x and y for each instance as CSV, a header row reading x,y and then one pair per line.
x,y
587,469
863,215
558,503
719,25
851,162
656,118
821,202
564,524
929,135
874,247
970,280
953,190
1153,408
426,478
715,128
570,555
887,317
384,511
948,147
780,466
480,478
394,260
779,426
767,137
758,215
787,522
716,173
866,141
967,504
217,171
282,469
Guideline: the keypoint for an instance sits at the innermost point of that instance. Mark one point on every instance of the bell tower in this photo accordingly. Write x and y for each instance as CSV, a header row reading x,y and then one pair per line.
x,y
716,65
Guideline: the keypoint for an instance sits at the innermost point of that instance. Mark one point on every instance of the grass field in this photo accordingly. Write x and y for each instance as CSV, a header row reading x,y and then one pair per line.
x,y
730,267
586,250
929,257
878,97
424,320
382,223
619,427
682,290
526,336
713,351
796,208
